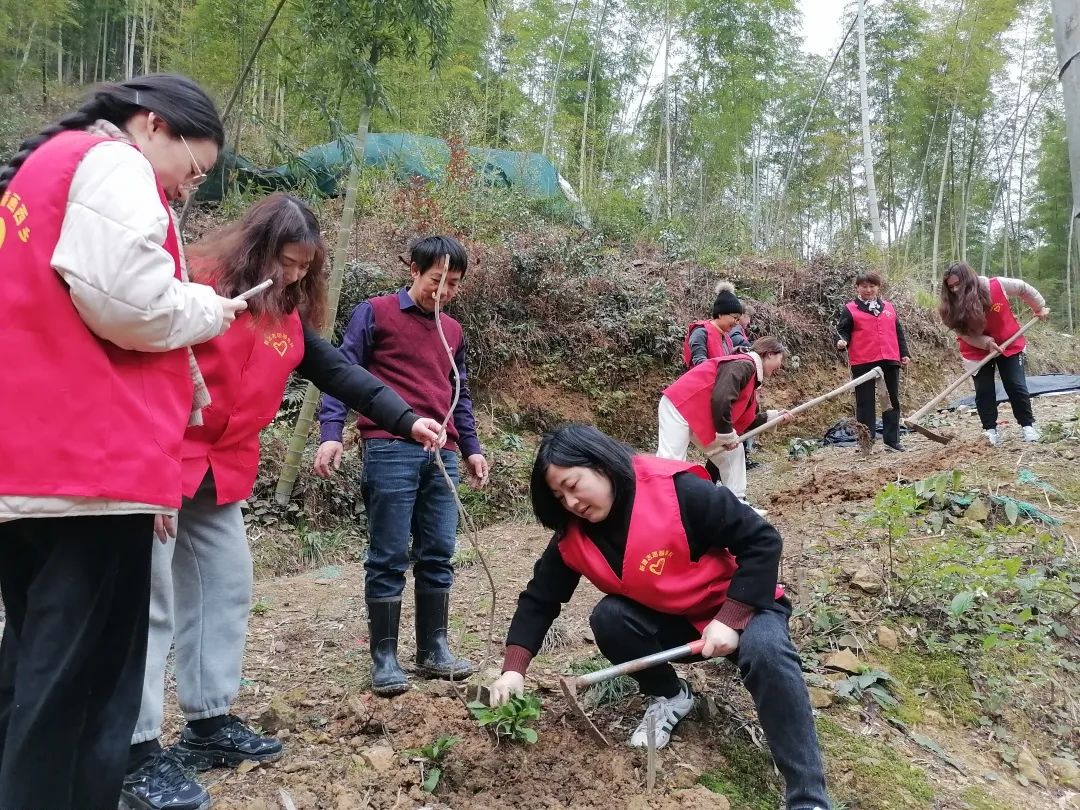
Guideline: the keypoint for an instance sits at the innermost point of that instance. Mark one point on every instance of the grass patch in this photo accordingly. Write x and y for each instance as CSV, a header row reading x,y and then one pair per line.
x,y
868,774
937,676
745,775
975,798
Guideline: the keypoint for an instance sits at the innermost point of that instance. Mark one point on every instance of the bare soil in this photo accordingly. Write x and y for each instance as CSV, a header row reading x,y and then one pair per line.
x,y
307,652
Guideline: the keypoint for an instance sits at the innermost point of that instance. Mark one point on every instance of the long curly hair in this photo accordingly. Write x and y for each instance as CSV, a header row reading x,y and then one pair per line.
x,y
964,311
239,256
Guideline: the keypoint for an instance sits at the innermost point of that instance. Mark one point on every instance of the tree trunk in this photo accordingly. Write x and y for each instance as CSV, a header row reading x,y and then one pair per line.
x,y
940,198
549,121
1067,38
291,467
667,108
588,99
868,146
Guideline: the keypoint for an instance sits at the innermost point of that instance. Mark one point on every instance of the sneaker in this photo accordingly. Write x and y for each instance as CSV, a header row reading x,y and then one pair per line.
x,y
992,436
894,448
751,464
667,713
161,783
1030,433
228,746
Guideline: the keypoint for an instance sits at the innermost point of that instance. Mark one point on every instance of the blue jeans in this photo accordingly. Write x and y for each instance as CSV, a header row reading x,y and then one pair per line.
x,y
405,494
768,664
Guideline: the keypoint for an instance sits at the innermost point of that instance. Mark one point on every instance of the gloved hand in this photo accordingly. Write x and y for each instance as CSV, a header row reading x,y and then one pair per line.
x,y
719,640
729,441
506,685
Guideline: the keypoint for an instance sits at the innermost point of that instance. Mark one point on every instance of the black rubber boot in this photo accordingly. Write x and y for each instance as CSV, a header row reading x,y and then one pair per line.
x,y
387,676
890,428
433,656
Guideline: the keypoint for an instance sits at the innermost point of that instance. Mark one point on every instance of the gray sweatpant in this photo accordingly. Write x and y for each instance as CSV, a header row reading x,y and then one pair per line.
x,y
201,591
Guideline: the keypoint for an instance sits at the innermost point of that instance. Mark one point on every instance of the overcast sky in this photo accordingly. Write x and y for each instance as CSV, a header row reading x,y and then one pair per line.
x,y
821,25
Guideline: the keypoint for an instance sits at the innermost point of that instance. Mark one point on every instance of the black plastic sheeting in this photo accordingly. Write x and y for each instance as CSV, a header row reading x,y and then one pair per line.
x,y
842,433
1039,384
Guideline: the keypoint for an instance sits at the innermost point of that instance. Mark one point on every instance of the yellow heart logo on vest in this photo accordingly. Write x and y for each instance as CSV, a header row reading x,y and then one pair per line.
x,y
658,566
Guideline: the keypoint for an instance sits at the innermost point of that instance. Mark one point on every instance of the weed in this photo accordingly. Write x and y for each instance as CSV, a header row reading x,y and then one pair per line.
x,y
801,448
431,759
465,555
872,682
512,721
606,692
260,608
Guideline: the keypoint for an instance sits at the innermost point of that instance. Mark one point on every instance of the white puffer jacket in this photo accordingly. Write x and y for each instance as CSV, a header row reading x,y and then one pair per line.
x,y
111,254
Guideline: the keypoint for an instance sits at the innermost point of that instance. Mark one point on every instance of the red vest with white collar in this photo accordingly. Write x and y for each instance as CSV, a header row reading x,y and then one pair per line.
x,y
872,338
1001,325
657,570
246,370
719,343
691,395
81,417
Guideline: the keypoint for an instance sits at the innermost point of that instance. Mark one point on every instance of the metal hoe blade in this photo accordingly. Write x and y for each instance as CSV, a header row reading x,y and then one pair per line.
x,y
569,690
940,438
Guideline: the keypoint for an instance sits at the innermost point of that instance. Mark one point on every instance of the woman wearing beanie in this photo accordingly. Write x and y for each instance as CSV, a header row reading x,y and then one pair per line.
x,y
711,338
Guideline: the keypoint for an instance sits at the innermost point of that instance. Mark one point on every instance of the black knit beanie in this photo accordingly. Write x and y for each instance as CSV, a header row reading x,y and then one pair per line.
x,y
726,303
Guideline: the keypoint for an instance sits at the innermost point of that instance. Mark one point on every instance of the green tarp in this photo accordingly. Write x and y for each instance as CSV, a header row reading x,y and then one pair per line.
x,y
409,156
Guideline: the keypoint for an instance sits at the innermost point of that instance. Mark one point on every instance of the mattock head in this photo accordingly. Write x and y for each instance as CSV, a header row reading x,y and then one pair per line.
x,y
569,690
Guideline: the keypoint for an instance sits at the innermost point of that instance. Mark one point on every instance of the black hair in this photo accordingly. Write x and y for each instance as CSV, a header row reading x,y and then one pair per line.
x,y
180,102
431,249
577,445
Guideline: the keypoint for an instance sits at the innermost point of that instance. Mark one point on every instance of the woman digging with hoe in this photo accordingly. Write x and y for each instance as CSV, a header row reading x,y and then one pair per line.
x,y
679,559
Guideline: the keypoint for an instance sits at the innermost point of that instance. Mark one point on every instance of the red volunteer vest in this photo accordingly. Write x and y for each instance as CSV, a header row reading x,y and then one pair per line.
x,y
1001,325
873,339
691,395
719,342
81,417
657,570
246,370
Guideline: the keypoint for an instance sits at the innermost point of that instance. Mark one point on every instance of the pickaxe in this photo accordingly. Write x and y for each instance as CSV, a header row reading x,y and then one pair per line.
x,y
873,374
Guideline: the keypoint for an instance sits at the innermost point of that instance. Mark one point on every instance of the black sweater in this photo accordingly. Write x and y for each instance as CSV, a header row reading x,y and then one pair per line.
x,y
712,517
332,373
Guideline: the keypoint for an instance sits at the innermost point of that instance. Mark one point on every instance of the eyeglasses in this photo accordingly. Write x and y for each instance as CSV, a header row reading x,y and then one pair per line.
x,y
200,175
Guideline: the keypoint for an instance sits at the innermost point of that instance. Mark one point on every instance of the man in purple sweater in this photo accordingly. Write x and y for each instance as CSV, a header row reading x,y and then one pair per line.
x,y
395,338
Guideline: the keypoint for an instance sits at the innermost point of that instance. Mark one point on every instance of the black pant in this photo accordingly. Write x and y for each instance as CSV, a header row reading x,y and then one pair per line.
x,y
768,664
77,595
866,402
1013,380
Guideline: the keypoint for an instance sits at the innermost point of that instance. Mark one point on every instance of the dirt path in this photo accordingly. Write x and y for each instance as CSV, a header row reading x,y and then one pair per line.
x,y
307,661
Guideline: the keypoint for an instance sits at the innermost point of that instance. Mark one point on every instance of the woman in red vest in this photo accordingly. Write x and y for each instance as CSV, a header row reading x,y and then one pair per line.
x,y
95,319
977,309
712,338
870,330
713,403
679,559
203,581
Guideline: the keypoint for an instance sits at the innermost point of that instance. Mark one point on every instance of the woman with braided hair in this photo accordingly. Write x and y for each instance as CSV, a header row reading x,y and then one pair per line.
x,y
96,318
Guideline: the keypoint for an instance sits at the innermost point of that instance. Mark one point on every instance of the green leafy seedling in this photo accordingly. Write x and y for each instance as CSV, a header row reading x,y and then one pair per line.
x,y
512,721
430,758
